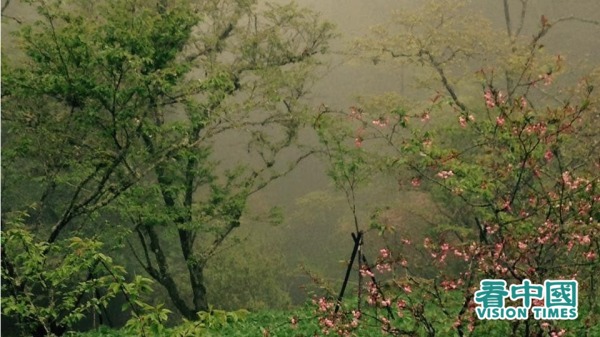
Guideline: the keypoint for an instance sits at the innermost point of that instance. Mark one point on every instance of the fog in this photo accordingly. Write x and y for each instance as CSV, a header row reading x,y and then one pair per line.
x,y
317,222
319,235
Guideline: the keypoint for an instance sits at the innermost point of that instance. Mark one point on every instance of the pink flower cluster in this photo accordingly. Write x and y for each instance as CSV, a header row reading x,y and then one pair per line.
x,y
463,121
523,103
450,284
381,122
384,267
546,78
374,295
537,128
491,99
355,113
445,174
425,117
358,141
323,304
329,321
500,121
366,271
548,233
571,183
415,182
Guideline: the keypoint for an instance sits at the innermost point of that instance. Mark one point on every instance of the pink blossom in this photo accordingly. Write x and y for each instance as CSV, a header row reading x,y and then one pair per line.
x,y
491,229
384,267
384,320
523,103
501,97
358,141
384,253
357,314
323,304
365,271
506,206
522,245
547,78
591,255
404,263
498,248
425,116
532,200
407,289
415,182
462,121
405,241
543,240
489,98
355,113
585,240
381,122
548,155
294,321
500,121
386,303
445,174
448,285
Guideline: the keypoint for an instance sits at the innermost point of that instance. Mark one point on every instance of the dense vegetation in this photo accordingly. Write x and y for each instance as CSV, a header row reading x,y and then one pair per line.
x,y
133,142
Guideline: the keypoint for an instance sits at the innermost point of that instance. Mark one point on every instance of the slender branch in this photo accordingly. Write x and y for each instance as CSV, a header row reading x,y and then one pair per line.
x,y
438,67
522,17
507,19
6,3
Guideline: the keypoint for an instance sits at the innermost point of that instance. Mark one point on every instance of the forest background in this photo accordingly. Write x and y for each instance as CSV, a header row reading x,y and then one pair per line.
x,y
122,137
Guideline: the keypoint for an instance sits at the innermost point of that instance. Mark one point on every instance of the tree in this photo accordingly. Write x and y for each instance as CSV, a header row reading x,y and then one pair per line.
x,y
115,126
74,278
514,169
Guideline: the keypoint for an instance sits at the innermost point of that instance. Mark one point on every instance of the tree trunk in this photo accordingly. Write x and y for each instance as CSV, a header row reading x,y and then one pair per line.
x,y
198,289
195,270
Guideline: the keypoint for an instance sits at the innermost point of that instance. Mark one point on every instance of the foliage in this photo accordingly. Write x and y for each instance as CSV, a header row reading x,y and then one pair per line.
x,y
281,323
514,172
121,124
252,276
48,288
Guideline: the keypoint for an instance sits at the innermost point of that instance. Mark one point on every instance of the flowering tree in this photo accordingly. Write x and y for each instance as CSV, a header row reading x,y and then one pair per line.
x,y
512,163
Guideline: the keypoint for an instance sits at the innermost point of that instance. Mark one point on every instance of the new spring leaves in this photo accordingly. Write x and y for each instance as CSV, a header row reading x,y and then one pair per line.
x,y
556,299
